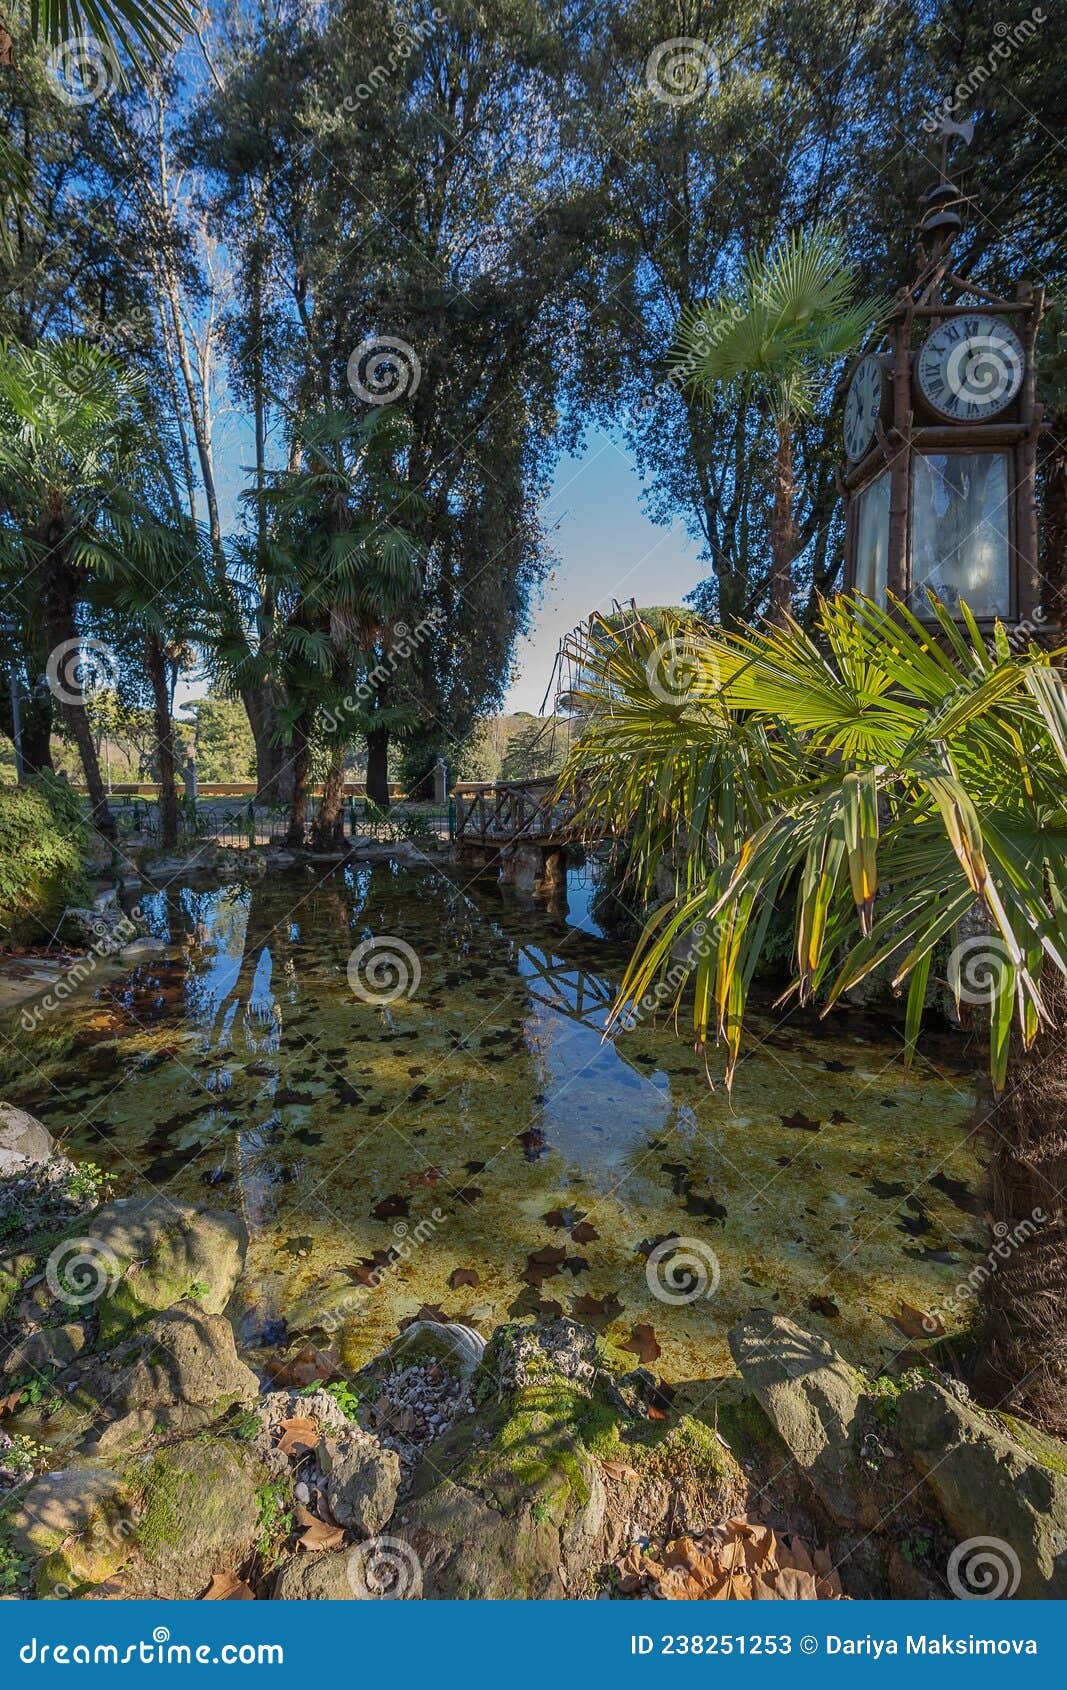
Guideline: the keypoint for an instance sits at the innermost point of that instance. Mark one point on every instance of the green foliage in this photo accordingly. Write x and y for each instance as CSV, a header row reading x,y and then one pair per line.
x,y
275,1519
43,838
223,743
882,785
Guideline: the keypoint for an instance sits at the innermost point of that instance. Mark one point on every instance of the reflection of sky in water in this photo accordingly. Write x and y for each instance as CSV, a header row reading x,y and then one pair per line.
x,y
242,1072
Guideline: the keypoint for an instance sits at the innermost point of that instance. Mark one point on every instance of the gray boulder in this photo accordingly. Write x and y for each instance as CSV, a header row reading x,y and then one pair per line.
x,y
362,1480
813,1399
180,1371
991,1486
198,1513
24,1142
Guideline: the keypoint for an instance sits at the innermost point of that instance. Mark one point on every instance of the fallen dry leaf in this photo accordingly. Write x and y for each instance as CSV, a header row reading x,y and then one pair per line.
x,y
300,1434
915,1324
741,1561
462,1276
618,1470
317,1534
227,1587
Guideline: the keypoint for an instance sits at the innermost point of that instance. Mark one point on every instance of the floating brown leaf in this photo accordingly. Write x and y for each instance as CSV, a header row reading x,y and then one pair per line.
x,y
227,1587
429,1176
308,1366
462,1276
543,1264
642,1343
389,1207
599,1312
915,1324
800,1122
584,1232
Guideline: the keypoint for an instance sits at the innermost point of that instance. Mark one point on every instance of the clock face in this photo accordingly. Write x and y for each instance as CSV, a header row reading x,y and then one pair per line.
x,y
971,367
862,405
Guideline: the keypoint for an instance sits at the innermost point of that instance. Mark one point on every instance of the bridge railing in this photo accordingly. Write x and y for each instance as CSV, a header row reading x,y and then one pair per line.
x,y
502,812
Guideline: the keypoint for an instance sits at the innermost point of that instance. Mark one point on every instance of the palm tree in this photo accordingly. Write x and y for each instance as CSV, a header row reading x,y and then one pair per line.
x,y
68,437
895,796
790,315
346,562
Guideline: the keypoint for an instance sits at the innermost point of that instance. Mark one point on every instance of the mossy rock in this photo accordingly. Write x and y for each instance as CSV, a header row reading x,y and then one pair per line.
x,y
77,1526
198,1512
150,1253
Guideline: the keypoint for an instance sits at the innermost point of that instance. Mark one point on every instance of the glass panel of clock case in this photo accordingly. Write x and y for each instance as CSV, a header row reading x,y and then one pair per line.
x,y
872,540
959,531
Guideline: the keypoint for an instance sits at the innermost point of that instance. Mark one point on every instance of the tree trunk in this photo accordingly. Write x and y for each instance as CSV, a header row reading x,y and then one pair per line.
x,y
329,830
783,527
274,775
1054,518
164,732
1024,1297
60,597
300,762
378,767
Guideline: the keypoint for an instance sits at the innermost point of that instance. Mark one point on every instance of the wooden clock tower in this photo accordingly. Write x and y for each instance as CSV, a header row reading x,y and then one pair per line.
x,y
941,428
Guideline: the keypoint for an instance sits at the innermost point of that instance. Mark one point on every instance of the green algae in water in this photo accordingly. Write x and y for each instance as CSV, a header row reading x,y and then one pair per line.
x,y
477,1150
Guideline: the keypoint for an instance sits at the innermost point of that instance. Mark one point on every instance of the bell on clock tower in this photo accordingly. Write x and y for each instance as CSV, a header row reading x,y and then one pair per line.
x,y
940,433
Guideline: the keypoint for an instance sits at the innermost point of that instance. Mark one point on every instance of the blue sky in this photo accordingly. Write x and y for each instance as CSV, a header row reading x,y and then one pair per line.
x,y
607,549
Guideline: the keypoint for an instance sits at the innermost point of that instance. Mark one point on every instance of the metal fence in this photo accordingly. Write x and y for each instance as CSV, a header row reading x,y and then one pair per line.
x,y
247,824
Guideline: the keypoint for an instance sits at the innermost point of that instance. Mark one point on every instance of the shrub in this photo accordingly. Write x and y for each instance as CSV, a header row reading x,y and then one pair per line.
x,y
43,839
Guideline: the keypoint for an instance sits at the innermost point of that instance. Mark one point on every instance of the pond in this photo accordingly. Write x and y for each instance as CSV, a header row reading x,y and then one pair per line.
x,y
474,1148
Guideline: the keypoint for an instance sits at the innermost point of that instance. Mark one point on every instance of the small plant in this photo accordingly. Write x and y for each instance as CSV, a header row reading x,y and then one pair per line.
x,y
23,1456
198,1289
344,1396
87,1181
275,1519
14,1571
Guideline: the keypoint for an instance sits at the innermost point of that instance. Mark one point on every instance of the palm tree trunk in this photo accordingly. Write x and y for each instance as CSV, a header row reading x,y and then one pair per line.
x,y
330,827
1024,1298
60,597
783,526
378,767
164,733
300,762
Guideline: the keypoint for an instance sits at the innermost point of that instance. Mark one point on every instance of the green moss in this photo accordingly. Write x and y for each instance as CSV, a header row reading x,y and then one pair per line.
x,y
1045,1450
161,1516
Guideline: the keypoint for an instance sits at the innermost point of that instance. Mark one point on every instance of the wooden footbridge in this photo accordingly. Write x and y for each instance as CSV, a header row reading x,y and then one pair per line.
x,y
494,814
